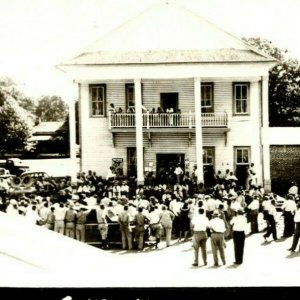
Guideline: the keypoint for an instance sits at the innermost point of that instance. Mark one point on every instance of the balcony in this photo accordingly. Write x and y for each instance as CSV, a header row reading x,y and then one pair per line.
x,y
166,121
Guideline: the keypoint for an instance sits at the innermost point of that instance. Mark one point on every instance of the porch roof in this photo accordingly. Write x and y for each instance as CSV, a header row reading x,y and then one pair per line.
x,y
166,56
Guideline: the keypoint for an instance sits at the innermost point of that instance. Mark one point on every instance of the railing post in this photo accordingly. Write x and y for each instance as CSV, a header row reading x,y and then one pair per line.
x,y
148,120
190,119
109,119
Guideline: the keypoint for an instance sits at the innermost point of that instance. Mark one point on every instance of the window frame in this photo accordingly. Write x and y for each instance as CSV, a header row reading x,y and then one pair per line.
x,y
211,85
128,85
103,87
213,155
236,148
247,112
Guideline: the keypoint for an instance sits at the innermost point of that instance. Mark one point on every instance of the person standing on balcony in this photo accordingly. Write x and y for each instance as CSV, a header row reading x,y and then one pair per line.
x,y
170,113
112,109
178,172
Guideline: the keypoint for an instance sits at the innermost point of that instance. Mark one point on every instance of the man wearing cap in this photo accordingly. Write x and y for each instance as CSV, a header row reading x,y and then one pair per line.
x,y
218,228
50,219
200,224
124,221
167,218
140,220
239,227
80,223
70,221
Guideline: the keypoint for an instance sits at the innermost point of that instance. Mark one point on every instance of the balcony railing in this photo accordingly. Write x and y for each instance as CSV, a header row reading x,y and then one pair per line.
x,y
183,120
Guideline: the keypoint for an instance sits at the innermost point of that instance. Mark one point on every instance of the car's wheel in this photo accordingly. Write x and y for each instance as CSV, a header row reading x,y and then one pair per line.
x,y
27,181
15,182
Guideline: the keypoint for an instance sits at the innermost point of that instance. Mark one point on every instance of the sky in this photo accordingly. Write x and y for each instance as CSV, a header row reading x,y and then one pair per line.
x,y
36,35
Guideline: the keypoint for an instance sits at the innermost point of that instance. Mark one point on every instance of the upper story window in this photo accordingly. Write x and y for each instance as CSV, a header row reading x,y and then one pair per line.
x,y
241,98
130,97
207,95
98,100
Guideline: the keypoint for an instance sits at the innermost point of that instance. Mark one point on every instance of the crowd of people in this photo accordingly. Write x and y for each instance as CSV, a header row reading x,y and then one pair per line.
x,y
157,213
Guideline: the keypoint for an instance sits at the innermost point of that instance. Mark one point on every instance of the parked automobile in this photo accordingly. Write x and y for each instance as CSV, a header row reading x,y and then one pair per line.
x,y
15,166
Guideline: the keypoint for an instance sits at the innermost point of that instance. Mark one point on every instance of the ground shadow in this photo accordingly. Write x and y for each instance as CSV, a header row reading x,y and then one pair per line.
x,y
233,266
293,255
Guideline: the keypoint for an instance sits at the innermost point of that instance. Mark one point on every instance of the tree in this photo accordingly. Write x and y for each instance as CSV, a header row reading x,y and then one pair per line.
x,y
51,108
284,85
15,126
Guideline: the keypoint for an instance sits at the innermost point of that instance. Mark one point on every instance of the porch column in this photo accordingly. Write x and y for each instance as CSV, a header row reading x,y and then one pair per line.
x,y
198,129
139,131
265,142
83,128
72,132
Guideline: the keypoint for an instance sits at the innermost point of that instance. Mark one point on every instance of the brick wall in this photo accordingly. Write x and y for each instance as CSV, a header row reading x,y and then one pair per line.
x,y
285,167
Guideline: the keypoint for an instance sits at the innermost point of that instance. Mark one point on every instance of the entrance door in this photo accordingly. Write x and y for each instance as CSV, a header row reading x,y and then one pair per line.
x,y
166,164
242,161
169,100
208,166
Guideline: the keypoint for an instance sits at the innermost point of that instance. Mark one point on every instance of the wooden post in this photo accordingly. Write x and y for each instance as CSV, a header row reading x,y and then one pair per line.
x,y
198,130
139,130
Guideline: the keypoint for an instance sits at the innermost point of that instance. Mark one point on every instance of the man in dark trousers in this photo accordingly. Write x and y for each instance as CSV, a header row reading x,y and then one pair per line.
x,y
124,221
297,229
140,221
239,223
200,224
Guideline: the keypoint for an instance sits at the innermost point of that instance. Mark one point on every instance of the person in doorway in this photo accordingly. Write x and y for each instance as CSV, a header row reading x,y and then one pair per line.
x,y
178,172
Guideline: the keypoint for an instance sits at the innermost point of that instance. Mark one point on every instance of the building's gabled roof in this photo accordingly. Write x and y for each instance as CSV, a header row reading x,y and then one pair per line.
x,y
47,128
167,33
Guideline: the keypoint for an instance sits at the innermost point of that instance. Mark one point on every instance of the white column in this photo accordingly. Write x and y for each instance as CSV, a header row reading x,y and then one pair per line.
x,y
72,132
198,129
265,142
83,115
139,130
255,142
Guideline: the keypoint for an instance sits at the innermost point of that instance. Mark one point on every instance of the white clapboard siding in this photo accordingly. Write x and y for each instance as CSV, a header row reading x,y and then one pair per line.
x,y
97,149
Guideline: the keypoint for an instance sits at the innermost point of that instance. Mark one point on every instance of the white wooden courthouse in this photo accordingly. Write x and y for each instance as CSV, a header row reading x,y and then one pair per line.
x,y
168,57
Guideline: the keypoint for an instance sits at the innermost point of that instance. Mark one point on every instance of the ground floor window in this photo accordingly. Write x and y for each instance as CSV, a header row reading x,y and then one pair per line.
x,y
242,161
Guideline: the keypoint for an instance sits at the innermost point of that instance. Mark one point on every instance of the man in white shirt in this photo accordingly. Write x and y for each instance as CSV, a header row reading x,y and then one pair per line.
x,y
217,226
288,210
178,172
239,228
294,189
200,224
297,229
271,221
253,208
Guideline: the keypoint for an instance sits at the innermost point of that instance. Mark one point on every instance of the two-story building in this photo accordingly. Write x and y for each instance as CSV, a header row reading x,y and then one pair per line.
x,y
168,87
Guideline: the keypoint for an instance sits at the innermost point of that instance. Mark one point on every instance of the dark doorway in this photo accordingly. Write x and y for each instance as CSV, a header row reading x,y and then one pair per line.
x,y
165,166
131,162
169,100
